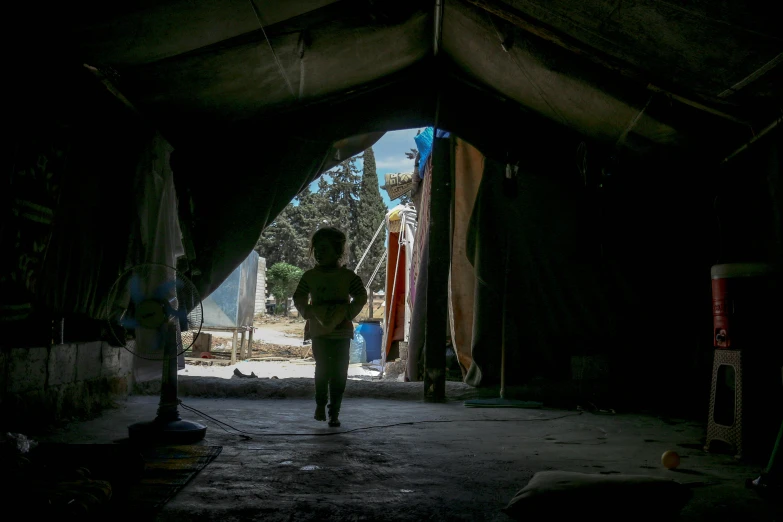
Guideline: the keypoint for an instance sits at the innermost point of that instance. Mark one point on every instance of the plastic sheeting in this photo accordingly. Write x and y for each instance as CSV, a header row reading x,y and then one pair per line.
x,y
424,144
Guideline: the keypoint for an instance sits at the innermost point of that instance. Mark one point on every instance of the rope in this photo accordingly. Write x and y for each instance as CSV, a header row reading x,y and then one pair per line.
x,y
377,267
247,434
370,246
274,54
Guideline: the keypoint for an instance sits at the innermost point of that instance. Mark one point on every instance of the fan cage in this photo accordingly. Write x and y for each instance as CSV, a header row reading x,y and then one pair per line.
x,y
165,285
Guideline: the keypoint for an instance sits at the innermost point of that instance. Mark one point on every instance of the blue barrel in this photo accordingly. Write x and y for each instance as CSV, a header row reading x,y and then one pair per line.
x,y
373,337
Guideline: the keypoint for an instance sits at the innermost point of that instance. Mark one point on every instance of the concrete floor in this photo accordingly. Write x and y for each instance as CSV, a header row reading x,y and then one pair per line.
x,y
293,368
466,468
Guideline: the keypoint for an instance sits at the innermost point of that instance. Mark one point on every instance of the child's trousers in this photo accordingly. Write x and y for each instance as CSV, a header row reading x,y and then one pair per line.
x,y
331,371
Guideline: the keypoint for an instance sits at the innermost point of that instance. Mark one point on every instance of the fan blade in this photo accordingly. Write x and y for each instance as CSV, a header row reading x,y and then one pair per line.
x,y
128,322
181,313
165,289
136,290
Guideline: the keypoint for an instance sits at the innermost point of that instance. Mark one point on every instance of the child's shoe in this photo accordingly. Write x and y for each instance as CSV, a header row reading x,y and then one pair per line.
x,y
334,421
320,413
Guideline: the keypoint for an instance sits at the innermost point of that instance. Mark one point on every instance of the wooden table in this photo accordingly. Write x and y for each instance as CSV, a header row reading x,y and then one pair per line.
x,y
237,331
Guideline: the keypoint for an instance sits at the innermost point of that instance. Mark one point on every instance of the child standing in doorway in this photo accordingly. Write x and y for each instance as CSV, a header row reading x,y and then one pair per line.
x,y
323,297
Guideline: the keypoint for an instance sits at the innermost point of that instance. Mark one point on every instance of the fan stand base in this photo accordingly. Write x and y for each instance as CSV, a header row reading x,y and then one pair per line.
x,y
176,431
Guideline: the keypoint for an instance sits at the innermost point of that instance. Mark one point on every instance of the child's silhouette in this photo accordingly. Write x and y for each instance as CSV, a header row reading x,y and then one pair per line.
x,y
323,297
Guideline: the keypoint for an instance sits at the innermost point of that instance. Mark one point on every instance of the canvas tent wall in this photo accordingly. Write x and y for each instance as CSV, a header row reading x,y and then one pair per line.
x,y
519,81
599,89
583,280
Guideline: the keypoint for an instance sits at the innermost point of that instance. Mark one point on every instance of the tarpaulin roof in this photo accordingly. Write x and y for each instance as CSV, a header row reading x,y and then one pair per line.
x,y
254,94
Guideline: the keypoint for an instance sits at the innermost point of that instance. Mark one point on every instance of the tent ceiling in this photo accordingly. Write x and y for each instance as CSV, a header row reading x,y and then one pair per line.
x,y
597,67
258,97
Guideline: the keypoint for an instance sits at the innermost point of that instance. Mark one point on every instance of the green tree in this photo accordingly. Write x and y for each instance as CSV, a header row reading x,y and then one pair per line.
x,y
282,279
287,238
371,211
280,242
337,203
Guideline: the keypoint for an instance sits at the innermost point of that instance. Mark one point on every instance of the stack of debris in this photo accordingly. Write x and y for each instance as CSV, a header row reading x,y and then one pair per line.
x,y
38,488
395,368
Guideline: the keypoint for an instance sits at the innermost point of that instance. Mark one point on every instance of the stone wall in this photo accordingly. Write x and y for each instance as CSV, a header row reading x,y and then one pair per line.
x,y
40,386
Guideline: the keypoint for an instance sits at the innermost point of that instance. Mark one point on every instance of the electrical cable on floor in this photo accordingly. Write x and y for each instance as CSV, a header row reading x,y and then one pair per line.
x,y
246,434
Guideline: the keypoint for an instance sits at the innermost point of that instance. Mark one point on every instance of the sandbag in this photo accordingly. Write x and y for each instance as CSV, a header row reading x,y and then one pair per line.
x,y
556,494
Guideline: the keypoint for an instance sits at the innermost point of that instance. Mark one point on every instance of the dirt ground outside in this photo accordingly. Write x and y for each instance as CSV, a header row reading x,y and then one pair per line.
x,y
285,325
274,337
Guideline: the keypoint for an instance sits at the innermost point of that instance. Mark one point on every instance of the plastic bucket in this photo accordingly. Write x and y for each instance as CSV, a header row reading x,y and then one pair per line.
x,y
741,302
373,337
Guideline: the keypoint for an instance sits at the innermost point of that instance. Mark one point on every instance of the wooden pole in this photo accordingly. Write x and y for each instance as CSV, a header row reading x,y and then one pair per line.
x,y
370,301
503,337
438,272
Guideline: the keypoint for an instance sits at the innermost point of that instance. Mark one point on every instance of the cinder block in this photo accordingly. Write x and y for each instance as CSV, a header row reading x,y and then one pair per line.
x,y
110,360
119,386
88,361
203,344
62,364
71,398
54,400
403,350
126,361
27,369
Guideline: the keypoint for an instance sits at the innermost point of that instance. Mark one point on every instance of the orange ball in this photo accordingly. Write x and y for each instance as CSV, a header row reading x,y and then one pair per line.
x,y
670,459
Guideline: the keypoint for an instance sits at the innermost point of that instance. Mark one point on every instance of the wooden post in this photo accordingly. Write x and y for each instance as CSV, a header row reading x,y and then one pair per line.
x,y
242,344
370,301
438,272
234,348
250,343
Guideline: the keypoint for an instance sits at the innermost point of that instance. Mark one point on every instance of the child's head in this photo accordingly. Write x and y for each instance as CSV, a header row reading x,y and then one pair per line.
x,y
327,246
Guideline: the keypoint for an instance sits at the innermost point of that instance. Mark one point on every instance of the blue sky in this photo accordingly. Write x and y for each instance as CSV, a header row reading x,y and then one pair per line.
x,y
389,157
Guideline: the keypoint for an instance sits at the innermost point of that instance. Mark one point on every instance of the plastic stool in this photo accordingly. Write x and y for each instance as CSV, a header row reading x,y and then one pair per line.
x,y
715,431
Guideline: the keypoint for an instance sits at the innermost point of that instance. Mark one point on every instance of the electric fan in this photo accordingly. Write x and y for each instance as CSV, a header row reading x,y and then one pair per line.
x,y
155,312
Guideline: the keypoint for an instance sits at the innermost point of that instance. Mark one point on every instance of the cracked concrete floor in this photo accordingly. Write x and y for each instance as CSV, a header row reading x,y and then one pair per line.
x,y
464,469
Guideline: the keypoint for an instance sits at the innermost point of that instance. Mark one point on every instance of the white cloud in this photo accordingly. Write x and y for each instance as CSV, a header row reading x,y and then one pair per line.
x,y
401,137
394,164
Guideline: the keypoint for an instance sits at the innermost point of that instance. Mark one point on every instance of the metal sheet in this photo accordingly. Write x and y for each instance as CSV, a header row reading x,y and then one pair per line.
x,y
232,304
